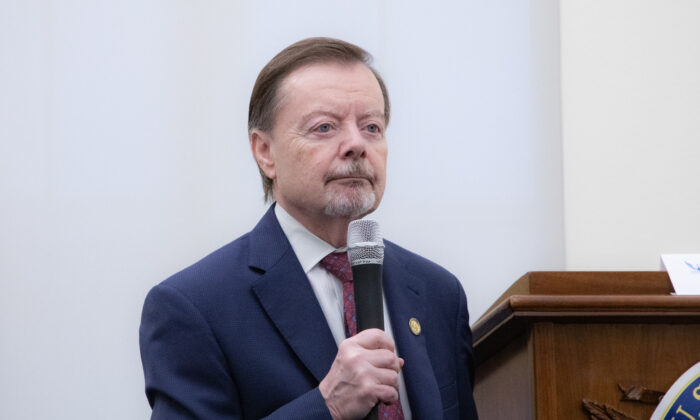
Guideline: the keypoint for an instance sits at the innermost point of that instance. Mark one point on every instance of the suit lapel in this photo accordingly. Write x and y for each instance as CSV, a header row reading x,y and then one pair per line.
x,y
284,292
405,300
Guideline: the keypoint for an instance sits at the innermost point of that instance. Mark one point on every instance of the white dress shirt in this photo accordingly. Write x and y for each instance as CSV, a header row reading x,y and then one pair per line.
x,y
310,250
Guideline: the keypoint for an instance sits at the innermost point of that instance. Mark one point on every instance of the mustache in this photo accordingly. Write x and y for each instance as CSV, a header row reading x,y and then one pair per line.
x,y
351,170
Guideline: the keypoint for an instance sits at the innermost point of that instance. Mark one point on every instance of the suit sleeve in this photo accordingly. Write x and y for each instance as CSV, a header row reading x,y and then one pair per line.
x,y
187,375
465,366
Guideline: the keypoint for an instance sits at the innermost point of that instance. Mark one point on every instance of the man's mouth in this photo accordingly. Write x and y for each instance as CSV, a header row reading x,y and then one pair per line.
x,y
357,179
354,173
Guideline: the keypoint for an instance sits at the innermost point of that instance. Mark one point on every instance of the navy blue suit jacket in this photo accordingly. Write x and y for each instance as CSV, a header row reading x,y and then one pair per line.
x,y
240,335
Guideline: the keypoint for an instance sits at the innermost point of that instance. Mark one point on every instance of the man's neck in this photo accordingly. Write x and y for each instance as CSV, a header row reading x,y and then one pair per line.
x,y
332,229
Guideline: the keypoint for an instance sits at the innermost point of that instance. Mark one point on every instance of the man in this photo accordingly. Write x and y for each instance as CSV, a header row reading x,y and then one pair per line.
x,y
263,327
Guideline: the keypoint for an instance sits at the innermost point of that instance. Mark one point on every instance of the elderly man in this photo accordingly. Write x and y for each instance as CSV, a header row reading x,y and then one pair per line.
x,y
264,326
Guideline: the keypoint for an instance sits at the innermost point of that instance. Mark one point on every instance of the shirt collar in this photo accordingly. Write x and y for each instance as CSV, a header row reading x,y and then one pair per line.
x,y
309,248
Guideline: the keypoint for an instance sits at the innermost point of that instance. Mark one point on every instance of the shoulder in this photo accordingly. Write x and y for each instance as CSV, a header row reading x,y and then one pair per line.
x,y
421,266
437,282
221,265
223,280
218,280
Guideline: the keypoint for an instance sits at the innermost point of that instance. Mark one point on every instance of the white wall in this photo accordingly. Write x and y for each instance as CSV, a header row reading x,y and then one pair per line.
x,y
123,158
631,131
474,144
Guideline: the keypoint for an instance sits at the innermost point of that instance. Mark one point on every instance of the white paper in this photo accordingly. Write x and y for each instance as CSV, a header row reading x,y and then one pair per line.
x,y
684,271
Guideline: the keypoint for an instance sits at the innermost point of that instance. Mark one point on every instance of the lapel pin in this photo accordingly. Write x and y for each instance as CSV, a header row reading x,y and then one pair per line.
x,y
414,325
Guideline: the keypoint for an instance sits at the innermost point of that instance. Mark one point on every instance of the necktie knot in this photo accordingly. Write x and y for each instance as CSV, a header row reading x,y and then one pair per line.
x,y
337,263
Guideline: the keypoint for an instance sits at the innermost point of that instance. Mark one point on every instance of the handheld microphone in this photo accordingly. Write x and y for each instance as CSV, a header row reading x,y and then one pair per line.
x,y
366,255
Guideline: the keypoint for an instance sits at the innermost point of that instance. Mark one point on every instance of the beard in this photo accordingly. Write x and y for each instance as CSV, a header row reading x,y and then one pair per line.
x,y
354,205
356,200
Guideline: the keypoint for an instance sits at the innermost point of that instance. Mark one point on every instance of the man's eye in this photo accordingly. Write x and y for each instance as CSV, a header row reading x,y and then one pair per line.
x,y
373,128
324,128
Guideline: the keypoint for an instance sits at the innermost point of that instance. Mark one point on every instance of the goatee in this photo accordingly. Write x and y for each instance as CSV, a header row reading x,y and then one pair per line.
x,y
358,201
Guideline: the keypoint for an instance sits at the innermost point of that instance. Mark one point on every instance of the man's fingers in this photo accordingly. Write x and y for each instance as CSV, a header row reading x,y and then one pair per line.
x,y
386,394
355,353
384,359
383,385
387,377
364,372
373,339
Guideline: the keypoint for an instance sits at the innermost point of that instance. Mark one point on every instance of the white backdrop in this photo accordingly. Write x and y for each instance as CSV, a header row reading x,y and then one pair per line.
x,y
631,131
124,158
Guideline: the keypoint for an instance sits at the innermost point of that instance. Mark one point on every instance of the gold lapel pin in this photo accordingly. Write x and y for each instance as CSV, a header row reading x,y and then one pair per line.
x,y
414,325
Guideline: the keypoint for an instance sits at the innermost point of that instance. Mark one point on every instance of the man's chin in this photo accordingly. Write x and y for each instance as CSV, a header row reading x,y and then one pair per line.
x,y
353,207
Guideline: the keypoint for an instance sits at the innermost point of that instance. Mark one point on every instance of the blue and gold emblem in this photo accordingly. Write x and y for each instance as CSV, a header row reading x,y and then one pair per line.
x,y
682,401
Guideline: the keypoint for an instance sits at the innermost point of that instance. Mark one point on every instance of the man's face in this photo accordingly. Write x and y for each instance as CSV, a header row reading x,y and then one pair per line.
x,y
327,150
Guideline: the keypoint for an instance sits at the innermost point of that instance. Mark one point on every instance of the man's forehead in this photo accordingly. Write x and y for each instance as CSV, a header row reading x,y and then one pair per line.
x,y
312,79
317,71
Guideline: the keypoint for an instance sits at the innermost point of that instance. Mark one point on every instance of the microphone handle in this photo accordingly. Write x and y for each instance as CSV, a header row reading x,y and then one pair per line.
x,y
369,305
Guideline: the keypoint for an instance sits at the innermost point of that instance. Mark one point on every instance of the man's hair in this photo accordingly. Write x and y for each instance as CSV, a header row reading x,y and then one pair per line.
x,y
264,100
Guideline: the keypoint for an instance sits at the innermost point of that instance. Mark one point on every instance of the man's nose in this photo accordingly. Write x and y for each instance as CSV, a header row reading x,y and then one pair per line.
x,y
354,144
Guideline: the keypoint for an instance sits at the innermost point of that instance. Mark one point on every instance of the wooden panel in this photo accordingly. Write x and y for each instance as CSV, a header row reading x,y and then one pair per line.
x,y
545,366
539,355
503,387
592,359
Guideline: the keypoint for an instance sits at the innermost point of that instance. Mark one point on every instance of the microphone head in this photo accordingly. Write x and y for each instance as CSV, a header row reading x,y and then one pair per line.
x,y
365,245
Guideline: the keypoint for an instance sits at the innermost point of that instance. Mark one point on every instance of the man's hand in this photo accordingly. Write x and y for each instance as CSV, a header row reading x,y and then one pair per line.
x,y
365,371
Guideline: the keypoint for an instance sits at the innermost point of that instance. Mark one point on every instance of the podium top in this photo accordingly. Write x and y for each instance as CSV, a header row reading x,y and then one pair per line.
x,y
581,296
588,283
591,283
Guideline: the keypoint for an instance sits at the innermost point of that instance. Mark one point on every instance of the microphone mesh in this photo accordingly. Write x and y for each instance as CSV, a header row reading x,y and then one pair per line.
x,y
365,245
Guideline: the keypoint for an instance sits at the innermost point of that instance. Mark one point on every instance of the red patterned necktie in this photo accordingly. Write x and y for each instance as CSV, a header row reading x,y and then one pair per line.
x,y
338,265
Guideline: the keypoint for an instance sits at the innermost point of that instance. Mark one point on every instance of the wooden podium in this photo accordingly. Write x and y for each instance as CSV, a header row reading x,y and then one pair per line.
x,y
556,338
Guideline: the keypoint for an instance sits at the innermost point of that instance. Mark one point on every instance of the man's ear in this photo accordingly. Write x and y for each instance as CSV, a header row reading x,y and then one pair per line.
x,y
260,143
